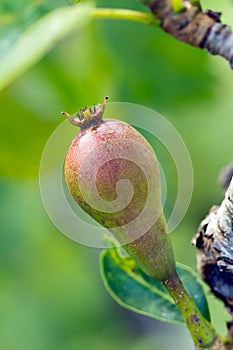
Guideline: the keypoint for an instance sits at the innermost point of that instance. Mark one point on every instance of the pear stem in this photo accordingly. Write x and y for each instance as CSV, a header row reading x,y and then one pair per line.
x,y
203,334
125,14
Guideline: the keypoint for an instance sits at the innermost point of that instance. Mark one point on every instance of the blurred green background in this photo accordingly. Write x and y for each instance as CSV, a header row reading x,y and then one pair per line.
x,y
51,294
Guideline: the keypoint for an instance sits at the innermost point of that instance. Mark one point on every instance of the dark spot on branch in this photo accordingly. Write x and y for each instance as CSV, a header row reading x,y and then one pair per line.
x,y
215,15
196,320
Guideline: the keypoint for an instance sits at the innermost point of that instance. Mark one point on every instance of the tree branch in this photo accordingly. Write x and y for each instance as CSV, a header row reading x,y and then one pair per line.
x,y
194,27
214,242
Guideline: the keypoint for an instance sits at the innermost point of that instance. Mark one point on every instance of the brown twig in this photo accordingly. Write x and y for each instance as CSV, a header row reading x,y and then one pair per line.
x,y
194,27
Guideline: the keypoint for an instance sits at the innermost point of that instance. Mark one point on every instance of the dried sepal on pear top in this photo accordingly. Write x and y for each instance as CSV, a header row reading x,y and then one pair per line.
x,y
88,117
113,174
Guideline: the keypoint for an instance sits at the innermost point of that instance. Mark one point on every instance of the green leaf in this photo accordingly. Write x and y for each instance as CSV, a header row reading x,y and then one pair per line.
x,y
26,36
135,291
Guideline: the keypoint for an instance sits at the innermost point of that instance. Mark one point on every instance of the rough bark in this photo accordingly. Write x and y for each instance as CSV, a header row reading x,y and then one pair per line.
x,y
214,241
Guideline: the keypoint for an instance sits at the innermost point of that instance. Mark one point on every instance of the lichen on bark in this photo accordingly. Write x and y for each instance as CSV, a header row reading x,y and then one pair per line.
x,y
214,241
